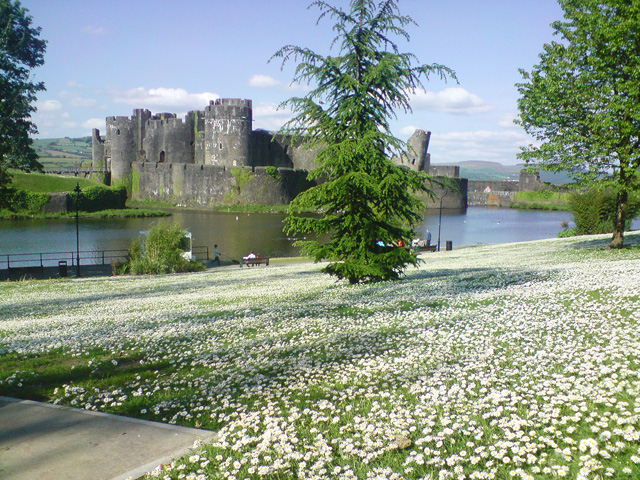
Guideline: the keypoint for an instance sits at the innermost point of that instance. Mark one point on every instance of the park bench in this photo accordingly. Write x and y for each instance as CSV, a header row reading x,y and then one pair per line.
x,y
252,262
428,248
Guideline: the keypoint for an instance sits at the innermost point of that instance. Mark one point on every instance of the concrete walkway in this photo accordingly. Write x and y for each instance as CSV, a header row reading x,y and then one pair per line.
x,y
43,441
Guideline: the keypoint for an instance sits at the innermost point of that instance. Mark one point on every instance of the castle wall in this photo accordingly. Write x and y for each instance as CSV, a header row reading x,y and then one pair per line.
x,y
265,151
169,140
494,186
209,185
444,171
453,199
494,199
228,126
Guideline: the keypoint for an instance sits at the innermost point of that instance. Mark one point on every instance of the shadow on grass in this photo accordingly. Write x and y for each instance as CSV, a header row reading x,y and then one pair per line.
x,y
40,375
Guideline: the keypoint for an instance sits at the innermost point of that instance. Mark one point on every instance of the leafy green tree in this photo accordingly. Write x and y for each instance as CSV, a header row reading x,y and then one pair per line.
x,y
21,50
362,198
581,102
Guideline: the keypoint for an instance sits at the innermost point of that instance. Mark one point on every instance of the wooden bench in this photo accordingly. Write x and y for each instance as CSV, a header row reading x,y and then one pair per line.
x,y
252,262
428,248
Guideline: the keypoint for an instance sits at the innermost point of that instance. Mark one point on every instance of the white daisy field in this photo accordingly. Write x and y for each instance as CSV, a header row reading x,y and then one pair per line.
x,y
516,361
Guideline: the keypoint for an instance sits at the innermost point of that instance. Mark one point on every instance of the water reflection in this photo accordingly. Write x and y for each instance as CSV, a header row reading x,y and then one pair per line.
x,y
238,234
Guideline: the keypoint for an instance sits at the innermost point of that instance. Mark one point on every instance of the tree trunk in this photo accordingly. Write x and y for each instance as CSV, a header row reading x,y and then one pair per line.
x,y
619,220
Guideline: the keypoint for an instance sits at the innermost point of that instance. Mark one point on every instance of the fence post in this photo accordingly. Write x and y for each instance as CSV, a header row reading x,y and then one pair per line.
x,y
41,264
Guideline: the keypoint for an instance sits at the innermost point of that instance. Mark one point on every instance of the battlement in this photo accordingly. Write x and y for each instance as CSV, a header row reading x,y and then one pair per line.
x,y
230,107
230,102
162,122
119,121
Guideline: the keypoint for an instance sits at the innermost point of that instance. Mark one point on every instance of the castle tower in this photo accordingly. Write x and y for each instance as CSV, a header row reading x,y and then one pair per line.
x,y
97,151
124,137
228,125
417,155
120,138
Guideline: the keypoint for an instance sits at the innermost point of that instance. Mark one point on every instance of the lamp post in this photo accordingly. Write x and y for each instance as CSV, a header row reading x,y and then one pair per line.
x,y
440,218
77,192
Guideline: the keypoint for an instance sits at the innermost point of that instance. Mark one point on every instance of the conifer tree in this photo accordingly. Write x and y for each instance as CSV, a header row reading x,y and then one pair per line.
x,y
365,204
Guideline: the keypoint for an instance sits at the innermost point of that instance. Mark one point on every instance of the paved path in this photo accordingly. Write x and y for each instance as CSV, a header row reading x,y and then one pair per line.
x,y
44,441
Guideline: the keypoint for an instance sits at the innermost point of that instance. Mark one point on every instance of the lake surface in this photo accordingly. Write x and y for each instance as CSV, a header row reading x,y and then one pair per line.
x,y
238,234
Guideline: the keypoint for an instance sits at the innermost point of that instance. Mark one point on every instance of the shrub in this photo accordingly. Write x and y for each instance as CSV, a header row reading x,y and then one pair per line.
x,y
94,199
594,210
160,252
272,172
16,200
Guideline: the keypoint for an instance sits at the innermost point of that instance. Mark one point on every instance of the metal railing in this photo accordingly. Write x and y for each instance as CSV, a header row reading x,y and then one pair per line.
x,y
87,257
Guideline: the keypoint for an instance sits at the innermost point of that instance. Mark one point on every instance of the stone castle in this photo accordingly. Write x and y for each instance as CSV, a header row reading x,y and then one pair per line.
x,y
215,157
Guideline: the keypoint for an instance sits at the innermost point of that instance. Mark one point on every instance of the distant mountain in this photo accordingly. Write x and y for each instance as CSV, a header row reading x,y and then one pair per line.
x,y
481,170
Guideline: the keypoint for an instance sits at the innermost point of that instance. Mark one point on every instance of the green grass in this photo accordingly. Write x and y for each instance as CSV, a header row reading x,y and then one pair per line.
x,y
541,200
47,183
498,353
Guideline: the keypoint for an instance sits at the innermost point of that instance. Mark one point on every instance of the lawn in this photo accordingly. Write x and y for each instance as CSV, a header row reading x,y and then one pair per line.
x,y
516,361
46,183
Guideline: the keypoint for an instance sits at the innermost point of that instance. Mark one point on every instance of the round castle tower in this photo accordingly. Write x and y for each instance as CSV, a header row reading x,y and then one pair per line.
x,y
227,129
124,136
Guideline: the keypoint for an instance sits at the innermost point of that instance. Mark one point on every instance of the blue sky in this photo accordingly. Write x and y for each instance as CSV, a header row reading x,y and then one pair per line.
x,y
108,57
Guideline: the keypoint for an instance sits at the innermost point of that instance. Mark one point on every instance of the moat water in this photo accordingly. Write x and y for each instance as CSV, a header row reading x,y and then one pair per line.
x,y
238,234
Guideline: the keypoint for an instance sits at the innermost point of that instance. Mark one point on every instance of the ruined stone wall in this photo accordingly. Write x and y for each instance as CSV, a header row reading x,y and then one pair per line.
x,y
416,156
97,151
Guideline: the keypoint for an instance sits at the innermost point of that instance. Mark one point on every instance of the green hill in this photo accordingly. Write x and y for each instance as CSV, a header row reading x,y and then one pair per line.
x,y
62,153
481,170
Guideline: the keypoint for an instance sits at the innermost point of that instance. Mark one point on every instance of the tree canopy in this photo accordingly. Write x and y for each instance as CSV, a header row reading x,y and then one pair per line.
x,y
581,102
21,50
365,204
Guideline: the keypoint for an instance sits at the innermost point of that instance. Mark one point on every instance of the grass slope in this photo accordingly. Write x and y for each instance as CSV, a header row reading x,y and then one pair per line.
x,y
507,361
47,183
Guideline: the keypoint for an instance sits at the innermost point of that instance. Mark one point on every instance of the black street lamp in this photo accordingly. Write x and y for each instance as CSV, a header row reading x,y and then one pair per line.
x,y
77,192
440,219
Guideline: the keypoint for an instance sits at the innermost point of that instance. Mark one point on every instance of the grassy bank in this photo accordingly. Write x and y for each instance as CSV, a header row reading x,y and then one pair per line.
x,y
541,200
48,183
38,185
507,361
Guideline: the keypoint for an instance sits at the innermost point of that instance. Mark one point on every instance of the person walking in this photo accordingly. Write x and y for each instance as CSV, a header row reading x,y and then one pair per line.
x,y
216,255
428,239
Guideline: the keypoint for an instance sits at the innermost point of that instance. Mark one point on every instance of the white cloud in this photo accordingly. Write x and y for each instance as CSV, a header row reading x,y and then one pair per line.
x,y
266,81
94,30
74,84
94,123
263,81
83,102
269,117
160,98
497,146
408,130
454,100
506,121
48,105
